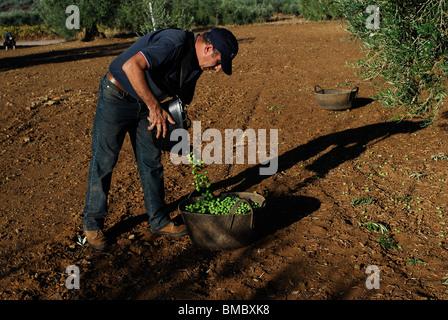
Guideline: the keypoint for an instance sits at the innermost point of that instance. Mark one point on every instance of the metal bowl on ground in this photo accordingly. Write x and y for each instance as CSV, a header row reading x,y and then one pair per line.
x,y
335,99
222,232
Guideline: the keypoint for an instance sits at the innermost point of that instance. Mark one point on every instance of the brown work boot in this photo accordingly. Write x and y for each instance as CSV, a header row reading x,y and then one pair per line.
x,y
96,239
173,229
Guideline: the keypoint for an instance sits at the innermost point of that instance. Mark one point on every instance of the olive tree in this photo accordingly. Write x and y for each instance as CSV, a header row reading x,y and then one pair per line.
x,y
406,51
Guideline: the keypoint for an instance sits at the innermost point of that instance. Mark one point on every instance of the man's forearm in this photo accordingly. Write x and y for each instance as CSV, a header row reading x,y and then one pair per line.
x,y
135,71
136,75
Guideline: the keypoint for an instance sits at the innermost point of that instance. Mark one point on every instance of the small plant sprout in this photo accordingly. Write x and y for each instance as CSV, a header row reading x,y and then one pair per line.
x,y
384,238
270,108
374,226
361,201
387,242
201,180
417,175
440,156
414,260
81,241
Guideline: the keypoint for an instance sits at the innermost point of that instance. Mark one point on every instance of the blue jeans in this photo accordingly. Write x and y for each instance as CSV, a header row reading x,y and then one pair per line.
x,y
116,115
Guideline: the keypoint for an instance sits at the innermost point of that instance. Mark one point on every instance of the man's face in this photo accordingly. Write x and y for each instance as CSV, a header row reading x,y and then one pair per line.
x,y
209,60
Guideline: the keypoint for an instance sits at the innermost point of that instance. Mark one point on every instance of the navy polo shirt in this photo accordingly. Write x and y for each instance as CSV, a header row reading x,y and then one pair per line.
x,y
163,58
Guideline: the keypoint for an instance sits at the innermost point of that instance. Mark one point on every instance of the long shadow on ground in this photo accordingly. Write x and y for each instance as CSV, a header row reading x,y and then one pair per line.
x,y
61,56
347,145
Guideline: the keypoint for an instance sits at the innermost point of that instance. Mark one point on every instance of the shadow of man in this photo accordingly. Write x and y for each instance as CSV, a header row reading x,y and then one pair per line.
x,y
61,56
347,145
284,208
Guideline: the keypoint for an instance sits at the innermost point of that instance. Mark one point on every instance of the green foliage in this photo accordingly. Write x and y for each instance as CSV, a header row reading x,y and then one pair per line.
x,y
136,16
54,16
244,11
361,201
19,17
317,10
205,13
284,6
167,14
93,13
201,180
7,5
19,13
129,15
406,55
27,32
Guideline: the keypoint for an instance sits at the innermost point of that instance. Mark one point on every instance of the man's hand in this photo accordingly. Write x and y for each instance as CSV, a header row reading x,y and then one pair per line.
x,y
135,70
157,118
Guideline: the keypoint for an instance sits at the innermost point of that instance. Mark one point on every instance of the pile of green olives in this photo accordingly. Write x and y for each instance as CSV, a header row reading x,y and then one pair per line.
x,y
220,206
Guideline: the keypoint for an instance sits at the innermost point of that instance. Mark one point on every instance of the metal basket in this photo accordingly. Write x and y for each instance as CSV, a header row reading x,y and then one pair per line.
x,y
335,99
222,232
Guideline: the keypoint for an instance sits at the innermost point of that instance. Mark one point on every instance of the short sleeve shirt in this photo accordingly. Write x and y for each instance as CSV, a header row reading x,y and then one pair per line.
x,y
163,58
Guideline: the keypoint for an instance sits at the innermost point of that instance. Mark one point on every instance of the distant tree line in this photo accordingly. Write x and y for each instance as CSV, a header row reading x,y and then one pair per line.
x,y
135,15
19,13
19,18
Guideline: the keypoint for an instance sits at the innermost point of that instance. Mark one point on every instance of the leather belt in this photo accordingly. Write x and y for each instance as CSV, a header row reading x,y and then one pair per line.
x,y
114,81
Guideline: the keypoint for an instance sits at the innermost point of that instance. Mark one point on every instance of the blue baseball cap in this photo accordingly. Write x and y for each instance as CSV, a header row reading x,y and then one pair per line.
x,y
225,42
